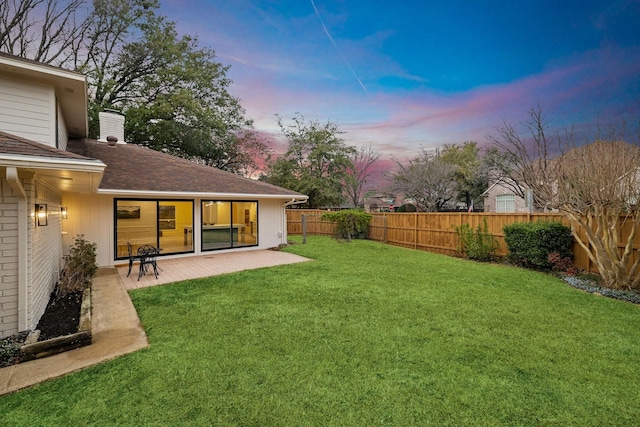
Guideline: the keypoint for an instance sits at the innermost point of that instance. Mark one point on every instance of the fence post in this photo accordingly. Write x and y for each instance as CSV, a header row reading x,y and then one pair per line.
x,y
384,228
304,228
415,230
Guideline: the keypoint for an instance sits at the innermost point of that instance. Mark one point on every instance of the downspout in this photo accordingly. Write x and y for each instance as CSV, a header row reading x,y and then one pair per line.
x,y
16,185
283,238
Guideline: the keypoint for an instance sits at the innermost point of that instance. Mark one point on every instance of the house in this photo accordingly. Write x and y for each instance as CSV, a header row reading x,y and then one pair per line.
x,y
379,203
501,197
56,184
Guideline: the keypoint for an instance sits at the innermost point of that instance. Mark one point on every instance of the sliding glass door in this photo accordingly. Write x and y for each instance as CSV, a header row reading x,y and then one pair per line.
x,y
167,224
229,224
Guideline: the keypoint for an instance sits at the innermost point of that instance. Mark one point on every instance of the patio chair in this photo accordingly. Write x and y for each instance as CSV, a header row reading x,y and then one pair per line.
x,y
132,257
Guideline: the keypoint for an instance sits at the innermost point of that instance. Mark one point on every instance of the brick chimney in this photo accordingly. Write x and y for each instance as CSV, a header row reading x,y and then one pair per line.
x,y
111,124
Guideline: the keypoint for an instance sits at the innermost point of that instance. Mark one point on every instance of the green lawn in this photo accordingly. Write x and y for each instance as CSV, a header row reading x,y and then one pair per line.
x,y
366,334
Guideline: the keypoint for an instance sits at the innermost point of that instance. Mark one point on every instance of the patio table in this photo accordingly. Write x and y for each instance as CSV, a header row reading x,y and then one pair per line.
x,y
148,259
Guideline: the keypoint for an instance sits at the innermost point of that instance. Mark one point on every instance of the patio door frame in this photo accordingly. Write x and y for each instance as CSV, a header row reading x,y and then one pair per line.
x,y
118,249
236,228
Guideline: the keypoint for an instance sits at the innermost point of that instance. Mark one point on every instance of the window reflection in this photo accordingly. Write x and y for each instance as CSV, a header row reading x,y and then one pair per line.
x,y
229,224
161,223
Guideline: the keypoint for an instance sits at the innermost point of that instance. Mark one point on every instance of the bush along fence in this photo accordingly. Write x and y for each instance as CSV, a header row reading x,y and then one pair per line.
x,y
436,232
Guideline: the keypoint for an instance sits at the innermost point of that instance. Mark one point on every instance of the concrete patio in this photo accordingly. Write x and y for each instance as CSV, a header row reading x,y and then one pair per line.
x,y
178,269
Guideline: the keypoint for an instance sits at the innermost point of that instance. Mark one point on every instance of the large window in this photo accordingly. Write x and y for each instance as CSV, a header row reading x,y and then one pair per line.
x,y
166,224
229,224
506,203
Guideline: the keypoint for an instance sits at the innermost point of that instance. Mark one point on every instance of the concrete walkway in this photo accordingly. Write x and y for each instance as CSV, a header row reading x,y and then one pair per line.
x,y
116,328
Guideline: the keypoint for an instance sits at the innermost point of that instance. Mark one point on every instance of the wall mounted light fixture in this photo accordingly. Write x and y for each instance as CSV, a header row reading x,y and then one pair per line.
x,y
41,214
63,212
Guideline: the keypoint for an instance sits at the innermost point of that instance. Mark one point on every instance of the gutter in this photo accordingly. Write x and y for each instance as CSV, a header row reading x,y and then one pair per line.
x,y
16,185
283,233
194,194
67,164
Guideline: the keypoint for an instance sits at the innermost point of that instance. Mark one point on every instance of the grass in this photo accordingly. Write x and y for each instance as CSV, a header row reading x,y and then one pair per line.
x,y
366,334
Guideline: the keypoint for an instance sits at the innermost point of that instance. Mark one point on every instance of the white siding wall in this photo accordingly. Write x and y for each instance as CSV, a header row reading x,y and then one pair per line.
x,y
45,249
46,254
27,110
271,224
63,136
92,215
8,260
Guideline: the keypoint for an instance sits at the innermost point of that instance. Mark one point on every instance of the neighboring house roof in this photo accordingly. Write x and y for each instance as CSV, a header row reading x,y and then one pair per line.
x,y
135,169
500,182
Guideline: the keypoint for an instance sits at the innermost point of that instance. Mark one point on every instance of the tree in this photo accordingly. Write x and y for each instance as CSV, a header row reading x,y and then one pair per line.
x,y
596,186
522,160
173,93
363,161
47,31
470,174
428,180
246,155
241,152
315,164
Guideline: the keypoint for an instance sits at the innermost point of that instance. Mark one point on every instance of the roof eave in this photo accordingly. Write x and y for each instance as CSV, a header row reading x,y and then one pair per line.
x,y
36,162
138,193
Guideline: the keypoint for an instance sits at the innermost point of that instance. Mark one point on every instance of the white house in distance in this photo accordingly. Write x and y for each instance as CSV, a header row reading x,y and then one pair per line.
x,y
56,184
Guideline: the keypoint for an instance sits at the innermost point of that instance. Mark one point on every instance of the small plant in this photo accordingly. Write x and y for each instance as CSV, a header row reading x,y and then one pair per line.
x,y
9,352
351,223
478,245
562,264
80,266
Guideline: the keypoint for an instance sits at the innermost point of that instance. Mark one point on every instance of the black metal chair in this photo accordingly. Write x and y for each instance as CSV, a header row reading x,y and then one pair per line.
x,y
132,258
148,258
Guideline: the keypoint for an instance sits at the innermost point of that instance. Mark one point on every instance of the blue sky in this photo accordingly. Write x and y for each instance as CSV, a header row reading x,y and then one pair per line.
x,y
409,74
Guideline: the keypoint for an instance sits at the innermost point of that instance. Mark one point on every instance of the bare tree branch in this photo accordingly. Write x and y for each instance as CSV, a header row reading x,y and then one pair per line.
x,y
42,30
427,180
597,186
363,161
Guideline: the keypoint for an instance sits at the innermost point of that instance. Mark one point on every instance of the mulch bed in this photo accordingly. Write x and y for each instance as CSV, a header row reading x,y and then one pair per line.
x,y
61,317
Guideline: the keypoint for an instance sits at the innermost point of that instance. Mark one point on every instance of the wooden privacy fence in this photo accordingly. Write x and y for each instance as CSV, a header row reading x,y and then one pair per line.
x,y
436,232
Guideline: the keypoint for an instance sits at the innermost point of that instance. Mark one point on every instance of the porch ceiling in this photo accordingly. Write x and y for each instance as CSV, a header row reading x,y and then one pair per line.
x,y
70,181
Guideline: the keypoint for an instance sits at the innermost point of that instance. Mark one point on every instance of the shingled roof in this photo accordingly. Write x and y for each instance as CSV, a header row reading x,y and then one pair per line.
x,y
132,167
17,146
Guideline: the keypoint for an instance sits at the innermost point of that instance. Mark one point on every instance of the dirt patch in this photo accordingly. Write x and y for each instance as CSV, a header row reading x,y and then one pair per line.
x,y
61,317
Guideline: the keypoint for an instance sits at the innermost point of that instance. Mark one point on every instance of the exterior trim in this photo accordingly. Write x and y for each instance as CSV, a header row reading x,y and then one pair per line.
x,y
50,163
131,193
23,247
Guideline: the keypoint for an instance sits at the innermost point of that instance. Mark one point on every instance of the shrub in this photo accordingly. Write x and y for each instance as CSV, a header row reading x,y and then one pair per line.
x,y
351,223
530,244
407,207
80,266
9,351
479,245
